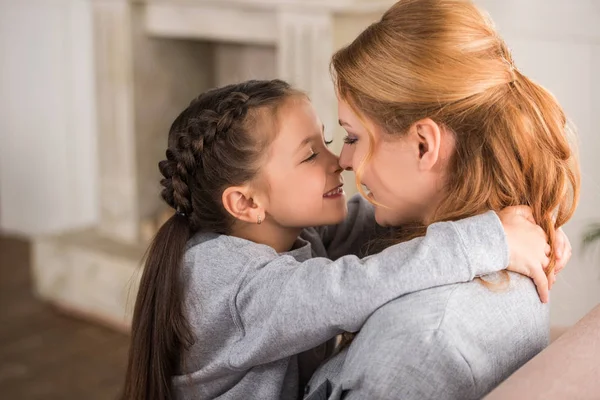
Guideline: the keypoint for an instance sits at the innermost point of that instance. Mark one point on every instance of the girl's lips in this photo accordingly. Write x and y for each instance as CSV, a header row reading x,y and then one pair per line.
x,y
338,191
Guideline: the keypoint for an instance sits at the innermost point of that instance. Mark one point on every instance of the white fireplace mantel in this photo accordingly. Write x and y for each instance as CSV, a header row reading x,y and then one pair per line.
x,y
304,35
242,21
357,6
151,57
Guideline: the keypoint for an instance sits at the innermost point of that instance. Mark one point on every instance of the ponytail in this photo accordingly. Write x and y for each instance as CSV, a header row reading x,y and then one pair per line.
x,y
544,140
159,328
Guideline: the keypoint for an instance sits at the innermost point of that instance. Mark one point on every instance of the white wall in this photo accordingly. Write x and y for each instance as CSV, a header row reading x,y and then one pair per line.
x,y
47,121
557,43
47,126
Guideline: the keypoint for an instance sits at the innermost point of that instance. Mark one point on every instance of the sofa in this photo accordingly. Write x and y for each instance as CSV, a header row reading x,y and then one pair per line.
x,y
568,369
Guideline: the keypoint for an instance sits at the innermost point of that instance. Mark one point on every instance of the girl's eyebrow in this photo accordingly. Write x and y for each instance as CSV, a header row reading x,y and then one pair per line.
x,y
309,139
306,141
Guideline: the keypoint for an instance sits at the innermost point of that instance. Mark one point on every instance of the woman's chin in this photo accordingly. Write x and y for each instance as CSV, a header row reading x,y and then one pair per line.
x,y
381,219
387,219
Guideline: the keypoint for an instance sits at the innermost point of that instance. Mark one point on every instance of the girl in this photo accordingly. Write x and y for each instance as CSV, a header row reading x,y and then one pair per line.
x,y
235,286
430,99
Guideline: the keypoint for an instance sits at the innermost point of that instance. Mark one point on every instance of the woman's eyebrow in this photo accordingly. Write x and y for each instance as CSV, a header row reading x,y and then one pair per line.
x,y
344,123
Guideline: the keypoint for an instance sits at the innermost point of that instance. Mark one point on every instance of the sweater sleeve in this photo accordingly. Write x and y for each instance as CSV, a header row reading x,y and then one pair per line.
x,y
352,236
285,307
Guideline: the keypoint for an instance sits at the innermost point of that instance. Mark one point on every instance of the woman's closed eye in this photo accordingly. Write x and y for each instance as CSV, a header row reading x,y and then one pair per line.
x,y
350,139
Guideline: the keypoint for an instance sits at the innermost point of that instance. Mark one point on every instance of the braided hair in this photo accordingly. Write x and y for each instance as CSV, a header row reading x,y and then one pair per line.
x,y
216,142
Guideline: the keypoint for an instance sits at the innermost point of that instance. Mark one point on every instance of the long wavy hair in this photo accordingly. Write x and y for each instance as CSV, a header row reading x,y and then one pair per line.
x,y
443,59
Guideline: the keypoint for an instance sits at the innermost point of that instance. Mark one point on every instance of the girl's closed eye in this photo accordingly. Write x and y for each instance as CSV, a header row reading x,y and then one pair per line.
x,y
310,158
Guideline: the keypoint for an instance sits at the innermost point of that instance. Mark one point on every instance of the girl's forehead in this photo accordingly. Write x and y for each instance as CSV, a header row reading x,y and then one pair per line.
x,y
296,116
298,128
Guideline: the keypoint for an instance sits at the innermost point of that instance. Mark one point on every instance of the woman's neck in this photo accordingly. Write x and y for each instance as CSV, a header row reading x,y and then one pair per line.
x,y
280,238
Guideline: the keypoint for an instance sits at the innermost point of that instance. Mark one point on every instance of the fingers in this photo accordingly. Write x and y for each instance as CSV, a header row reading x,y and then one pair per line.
x,y
564,254
562,249
551,280
542,233
542,285
524,211
559,243
562,262
567,241
520,211
545,262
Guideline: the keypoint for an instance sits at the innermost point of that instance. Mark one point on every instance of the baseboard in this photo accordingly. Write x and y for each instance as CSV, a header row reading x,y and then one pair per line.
x,y
88,275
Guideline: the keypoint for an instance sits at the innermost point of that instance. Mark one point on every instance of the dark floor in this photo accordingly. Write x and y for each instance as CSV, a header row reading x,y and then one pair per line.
x,y
45,354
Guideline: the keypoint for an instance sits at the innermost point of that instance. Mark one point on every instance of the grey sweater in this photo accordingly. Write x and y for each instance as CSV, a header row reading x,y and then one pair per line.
x,y
455,342
253,311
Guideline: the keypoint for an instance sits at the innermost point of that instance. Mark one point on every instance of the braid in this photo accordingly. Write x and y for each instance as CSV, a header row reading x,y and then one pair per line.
x,y
207,138
233,108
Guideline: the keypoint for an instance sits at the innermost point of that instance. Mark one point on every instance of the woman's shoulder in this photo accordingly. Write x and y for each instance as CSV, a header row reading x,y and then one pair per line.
x,y
499,308
497,300
466,336
507,303
497,324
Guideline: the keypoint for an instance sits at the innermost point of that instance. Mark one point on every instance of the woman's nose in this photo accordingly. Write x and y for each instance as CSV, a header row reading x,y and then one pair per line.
x,y
346,159
334,162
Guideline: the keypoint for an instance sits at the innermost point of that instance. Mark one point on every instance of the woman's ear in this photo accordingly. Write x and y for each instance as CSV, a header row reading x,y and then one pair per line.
x,y
428,136
238,202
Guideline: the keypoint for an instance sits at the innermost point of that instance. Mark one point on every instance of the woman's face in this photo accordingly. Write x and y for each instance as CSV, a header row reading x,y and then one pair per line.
x,y
404,176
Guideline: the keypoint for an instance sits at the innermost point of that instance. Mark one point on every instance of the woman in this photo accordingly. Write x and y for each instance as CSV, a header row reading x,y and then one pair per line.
x,y
442,127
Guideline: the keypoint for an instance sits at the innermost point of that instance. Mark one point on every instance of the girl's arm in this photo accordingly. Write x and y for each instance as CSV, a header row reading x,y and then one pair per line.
x,y
285,307
353,234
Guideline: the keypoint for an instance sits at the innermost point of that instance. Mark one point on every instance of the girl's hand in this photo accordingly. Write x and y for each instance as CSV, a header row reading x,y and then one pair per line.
x,y
563,252
528,246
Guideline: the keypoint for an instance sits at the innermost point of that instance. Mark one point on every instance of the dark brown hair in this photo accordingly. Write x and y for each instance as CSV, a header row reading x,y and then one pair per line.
x,y
216,142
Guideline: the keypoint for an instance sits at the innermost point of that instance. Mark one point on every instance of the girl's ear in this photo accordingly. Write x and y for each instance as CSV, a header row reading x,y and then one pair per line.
x,y
238,202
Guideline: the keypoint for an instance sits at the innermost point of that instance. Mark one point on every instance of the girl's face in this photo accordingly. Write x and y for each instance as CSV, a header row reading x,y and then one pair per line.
x,y
301,177
403,176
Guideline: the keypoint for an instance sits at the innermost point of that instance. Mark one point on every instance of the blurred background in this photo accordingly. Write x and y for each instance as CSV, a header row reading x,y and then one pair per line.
x,y
88,89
